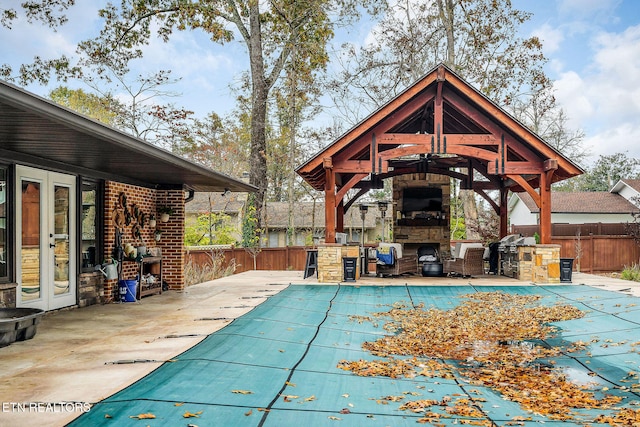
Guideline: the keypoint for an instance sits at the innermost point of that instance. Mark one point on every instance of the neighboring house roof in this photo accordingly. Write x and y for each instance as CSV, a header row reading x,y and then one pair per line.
x,y
278,212
228,203
634,184
34,129
278,216
583,202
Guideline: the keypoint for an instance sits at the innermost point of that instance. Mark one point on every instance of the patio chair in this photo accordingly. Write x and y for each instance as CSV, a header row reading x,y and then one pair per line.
x,y
392,262
472,263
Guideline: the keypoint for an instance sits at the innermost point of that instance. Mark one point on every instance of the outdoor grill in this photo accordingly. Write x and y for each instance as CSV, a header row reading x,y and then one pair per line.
x,y
511,254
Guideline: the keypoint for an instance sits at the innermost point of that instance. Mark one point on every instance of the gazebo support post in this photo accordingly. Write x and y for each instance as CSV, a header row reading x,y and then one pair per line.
x,y
504,211
340,217
329,202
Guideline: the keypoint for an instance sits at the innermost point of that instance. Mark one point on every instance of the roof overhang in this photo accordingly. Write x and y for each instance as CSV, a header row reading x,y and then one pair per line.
x,y
442,124
39,132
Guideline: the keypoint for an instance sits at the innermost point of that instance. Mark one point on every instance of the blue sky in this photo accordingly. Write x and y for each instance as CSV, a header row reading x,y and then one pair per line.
x,y
594,52
593,47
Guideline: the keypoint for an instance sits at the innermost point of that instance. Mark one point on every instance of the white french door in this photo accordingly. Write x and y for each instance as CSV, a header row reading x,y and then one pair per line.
x,y
45,238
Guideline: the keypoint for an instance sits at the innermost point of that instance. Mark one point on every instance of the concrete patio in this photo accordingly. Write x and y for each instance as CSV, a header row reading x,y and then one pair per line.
x,y
81,356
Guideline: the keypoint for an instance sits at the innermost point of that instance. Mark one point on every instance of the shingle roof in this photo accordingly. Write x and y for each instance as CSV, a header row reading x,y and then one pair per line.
x,y
278,212
633,183
277,215
583,202
230,203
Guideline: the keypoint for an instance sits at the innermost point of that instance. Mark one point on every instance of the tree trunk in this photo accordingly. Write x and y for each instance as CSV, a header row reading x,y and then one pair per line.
x,y
470,208
259,92
467,197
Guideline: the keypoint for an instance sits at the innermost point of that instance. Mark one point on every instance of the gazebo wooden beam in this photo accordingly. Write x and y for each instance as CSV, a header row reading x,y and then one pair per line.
x,y
364,141
469,146
350,184
482,137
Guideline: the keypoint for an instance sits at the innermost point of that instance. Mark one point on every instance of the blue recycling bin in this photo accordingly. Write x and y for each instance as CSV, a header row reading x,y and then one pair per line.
x,y
128,290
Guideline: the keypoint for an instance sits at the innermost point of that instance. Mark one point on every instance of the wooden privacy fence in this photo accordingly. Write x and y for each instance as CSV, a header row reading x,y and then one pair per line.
x,y
599,254
287,258
595,228
591,253
611,249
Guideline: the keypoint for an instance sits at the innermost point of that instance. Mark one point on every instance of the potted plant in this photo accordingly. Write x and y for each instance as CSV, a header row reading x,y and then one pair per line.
x,y
152,221
157,235
165,212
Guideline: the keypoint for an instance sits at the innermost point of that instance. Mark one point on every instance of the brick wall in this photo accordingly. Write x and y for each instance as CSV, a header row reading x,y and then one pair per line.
x,y
171,243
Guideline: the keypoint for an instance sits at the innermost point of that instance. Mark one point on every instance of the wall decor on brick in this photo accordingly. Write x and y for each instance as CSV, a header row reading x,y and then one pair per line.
x,y
171,243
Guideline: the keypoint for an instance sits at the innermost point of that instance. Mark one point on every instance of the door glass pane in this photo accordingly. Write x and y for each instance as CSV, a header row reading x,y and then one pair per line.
x,y
61,239
89,225
3,222
30,252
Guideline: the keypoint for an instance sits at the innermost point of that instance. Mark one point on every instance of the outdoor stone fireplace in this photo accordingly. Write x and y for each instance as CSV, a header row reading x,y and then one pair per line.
x,y
421,206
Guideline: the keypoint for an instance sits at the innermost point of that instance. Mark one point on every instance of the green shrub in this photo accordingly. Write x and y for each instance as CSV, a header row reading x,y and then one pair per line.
x,y
631,273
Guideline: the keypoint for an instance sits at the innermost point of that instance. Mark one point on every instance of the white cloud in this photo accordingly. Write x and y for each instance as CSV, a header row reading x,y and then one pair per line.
x,y
571,95
551,38
604,99
618,139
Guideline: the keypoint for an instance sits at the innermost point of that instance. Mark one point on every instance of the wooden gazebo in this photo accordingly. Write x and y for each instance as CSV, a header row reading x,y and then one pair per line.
x,y
439,125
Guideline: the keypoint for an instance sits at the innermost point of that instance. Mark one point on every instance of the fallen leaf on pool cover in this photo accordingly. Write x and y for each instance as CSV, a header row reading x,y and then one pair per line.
x,y
492,337
392,398
242,391
624,417
146,416
418,405
248,413
188,414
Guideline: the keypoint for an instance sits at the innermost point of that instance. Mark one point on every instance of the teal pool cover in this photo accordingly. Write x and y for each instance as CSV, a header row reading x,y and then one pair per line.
x,y
278,365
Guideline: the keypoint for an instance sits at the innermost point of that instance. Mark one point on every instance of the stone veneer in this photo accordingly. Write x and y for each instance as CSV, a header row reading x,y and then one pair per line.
x,y
90,289
539,263
435,232
8,295
546,267
330,269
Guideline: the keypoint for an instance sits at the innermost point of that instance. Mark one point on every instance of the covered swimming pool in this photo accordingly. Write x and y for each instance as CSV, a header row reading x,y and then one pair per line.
x,y
340,355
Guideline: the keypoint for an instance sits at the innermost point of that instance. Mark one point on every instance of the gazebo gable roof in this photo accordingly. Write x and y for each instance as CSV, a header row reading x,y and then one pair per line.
x,y
448,124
